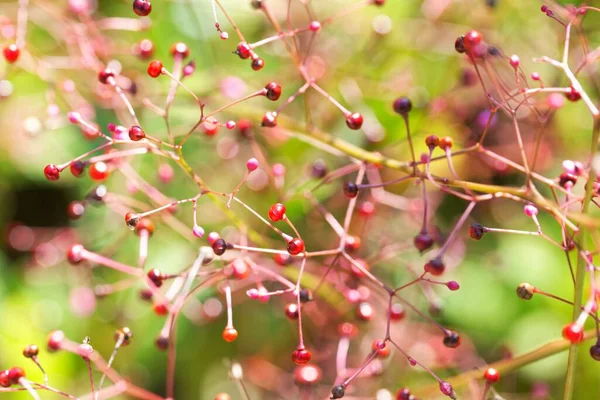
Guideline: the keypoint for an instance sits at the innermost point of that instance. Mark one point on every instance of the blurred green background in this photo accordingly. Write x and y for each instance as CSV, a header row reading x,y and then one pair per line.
x,y
365,70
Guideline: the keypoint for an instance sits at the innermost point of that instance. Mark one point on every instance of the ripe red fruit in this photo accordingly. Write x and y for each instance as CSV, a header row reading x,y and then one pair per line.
x,y
4,381
51,172
77,168
145,49
301,356
435,266
295,246
273,91
142,7
491,375
352,243
105,75
136,133
350,189
211,127
573,94
132,219
445,143
144,225
452,340
277,212
471,40
282,259
476,231
291,311
269,119
240,269
243,50
258,64
180,49
11,53
403,394
156,276
382,349
397,312
423,241
14,374
155,68
161,309
219,246
74,254
229,334
31,350
99,171
55,339
354,121
76,209
573,333
432,141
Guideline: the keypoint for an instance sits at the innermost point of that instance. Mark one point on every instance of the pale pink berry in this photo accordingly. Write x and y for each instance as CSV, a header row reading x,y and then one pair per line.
x,y
213,237
555,100
198,231
252,293
262,295
165,173
569,166
530,210
74,117
230,124
224,35
424,158
535,76
252,164
315,26
278,170
121,133
85,350
514,61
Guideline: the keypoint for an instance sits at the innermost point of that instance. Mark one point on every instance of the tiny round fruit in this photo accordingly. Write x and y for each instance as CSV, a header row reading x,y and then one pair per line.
x,y
277,212
180,49
156,276
337,392
273,91
354,121
11,53
491,375
435,266
350,189
99,171
77,168
52,172
142,7
229,334
301,356
476,231
402,105
155,68
243,50
258,64
105,75
31,351
573,333
595,352
219,246
471,40
423,241
452,340
525,291
295,246
136,133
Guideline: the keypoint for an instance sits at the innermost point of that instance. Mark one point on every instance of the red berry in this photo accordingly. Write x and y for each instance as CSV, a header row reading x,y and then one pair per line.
x,y
491,375
354,121
277,212
132,219
136,133
76,209
145,48
142,7
382,349
74,254
423,241
273,91
229,334
352,243
347,329
452,340
77,168
161,309
258,64
240,269
476,231
269,119
350,189
155,68
14,374
162,343
295,246
99,171
55,339
397,312
219,246
243,50
445,143
471,40
301,356
156,276
307,375
4,381
573,333
144,225
11,53
404,394
432,141
283,259
291,311
51,172
105,75
180,49
435,266
211,127
573,94
365,311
